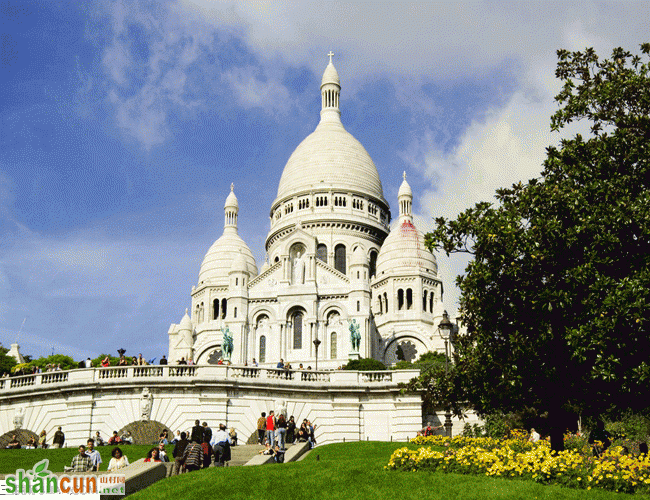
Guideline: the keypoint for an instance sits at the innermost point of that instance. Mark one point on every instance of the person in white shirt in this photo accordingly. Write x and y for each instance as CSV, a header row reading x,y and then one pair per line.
x,y
94,455
221,445
534,436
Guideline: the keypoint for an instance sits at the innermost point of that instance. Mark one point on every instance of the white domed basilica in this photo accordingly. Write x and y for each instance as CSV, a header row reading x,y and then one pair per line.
x,y
339,283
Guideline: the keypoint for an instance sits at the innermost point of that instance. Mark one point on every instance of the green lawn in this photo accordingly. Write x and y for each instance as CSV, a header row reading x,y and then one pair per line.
x,y
10,460
353,471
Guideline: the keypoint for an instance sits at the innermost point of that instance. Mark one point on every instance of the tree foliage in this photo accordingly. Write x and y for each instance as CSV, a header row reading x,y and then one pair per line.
x,y
556,299
6,362
365,364
66,362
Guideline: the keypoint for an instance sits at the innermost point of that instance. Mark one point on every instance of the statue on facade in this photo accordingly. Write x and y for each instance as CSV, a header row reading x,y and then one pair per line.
x,y
19,417
146,401
280,407
227,344
299,269
355,336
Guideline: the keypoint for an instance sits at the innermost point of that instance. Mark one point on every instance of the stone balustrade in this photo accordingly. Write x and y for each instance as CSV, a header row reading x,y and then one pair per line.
x,y
224,373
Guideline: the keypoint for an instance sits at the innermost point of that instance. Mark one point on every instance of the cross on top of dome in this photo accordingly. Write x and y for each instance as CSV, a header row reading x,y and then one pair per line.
x,y
330,54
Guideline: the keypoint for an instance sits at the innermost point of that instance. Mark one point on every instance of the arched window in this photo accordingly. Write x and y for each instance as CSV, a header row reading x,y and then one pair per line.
x,y
321,252
333,352
358,305
400,299
385,302
339,258
431,302
224,307
409,298
215,309
373,263
262,349
381,305
234,313
297,330
201,313
424,301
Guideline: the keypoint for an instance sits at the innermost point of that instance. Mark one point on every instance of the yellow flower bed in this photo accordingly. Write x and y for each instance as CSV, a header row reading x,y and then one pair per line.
x,y
517,458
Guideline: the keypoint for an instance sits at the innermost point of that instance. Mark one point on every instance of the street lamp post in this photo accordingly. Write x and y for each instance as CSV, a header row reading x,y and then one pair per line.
x,y
446,327
316,344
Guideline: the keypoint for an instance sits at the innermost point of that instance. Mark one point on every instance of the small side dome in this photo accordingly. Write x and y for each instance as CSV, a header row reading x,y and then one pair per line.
x,y
359,257
219,259
265,266
405,188
404,251
186,323
231,200
330,75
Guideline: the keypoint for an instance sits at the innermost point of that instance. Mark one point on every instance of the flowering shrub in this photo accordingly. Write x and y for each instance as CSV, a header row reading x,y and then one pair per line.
x,y
515,457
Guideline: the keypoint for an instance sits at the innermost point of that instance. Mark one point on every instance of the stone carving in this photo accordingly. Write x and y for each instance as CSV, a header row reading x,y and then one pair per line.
x,y
299,269
355,336
19,417
227,344
146,400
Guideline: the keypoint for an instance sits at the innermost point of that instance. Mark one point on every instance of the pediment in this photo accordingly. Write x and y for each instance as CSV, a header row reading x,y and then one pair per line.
x,y
327,275
268,279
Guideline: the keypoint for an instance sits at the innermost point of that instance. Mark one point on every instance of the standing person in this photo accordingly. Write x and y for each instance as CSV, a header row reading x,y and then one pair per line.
x,y
42,438
179,451
599,438
93,454
197,432
207,433
59,439
163,360
261,428
81,462
291,430
221,445
193,456
282,431
270,428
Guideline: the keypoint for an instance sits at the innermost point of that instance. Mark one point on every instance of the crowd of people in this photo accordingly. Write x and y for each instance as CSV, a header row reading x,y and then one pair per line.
x,y
193,450
280,431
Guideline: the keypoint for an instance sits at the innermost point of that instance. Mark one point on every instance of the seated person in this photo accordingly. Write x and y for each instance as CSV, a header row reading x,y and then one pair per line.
x,y
114,439
233,436
126,438
99,440
153,455
162,453
14,444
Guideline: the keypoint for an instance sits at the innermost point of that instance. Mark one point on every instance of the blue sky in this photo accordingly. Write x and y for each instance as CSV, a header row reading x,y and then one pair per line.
x,y
122,125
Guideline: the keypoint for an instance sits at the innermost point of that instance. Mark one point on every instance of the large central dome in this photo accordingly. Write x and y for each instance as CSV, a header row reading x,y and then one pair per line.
x,y
330,157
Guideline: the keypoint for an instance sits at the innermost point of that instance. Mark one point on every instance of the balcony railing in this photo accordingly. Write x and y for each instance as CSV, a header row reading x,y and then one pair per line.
x,y
157,373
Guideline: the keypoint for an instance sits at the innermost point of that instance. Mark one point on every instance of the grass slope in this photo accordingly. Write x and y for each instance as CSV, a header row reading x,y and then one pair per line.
x,y
10,460
353,471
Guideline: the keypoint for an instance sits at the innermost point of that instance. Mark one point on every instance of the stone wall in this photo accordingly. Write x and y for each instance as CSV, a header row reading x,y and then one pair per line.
x,y
342,404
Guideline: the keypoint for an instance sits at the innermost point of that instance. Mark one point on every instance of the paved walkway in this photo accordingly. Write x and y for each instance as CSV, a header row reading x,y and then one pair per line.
x,y
243,453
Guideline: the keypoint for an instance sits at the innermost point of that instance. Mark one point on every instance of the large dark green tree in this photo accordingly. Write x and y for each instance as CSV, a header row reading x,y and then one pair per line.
x,y
556,298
